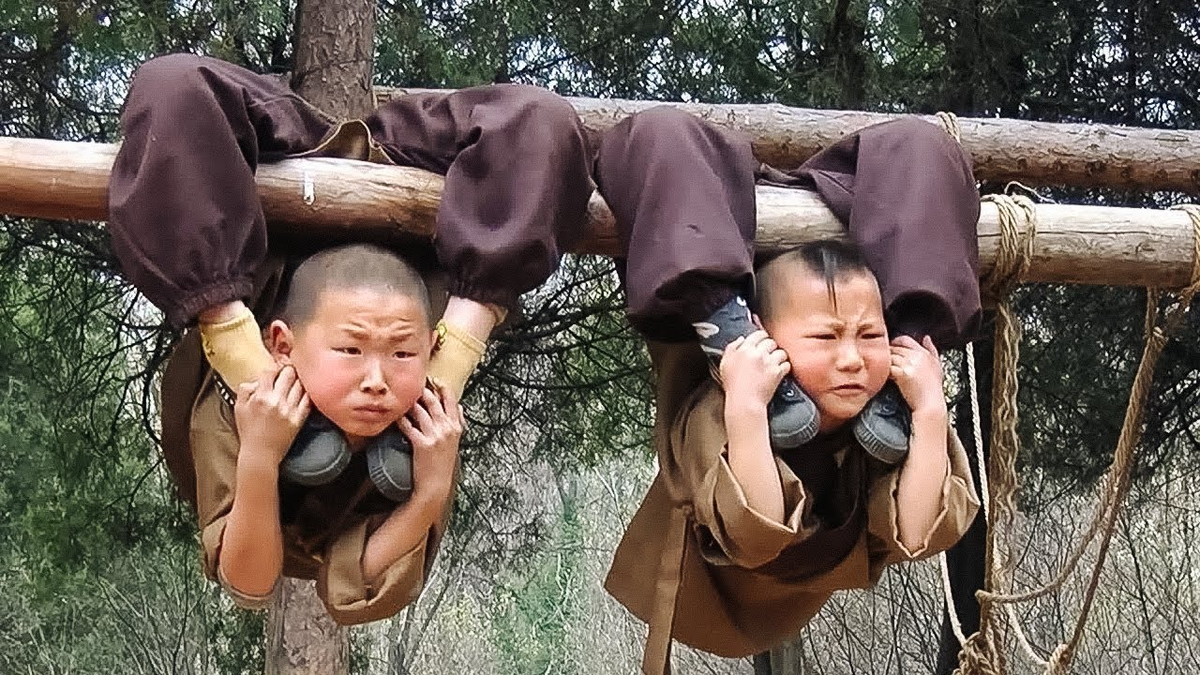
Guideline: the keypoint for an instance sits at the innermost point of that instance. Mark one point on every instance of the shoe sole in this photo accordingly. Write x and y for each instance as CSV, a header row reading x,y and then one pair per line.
x,y
396,488
877,448
796,439
319,477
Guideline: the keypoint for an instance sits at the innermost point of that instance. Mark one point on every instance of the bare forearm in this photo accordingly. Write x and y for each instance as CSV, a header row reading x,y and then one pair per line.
x,y
252,546
404,530
751,459
919,492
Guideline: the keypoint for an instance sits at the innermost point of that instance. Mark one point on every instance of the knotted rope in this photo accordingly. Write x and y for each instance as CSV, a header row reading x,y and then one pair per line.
x,y
981,653
949,122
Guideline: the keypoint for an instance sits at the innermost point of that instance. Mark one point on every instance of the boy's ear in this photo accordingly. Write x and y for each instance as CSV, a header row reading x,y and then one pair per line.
x,y
433,342
280,341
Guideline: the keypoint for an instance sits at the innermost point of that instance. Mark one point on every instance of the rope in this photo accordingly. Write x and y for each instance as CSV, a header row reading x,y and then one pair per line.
x,y
983,654
1121,464
949,123
977,430
978,653
1012,263
947,590
1188,292
948,594
1015,252
1116,483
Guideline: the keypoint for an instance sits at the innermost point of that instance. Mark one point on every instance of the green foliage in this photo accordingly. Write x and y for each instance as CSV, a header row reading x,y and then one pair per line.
x,y
535,611
98,568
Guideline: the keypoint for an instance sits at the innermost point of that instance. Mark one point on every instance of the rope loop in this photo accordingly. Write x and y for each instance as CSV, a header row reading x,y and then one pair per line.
x,y
949,123
1114,487
1188,292
1018,230
1060,660
978,657
983,653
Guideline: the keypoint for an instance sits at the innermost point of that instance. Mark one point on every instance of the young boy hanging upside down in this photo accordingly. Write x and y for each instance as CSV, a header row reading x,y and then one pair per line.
x,y
190,233
352,336
773,491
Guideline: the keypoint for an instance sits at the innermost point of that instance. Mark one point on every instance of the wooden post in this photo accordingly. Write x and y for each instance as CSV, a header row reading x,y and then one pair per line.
x,y
338,198
786,659
334,55
301,638
1002,150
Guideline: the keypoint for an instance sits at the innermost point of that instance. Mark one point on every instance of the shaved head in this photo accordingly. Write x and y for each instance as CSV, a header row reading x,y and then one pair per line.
x,y
349,267
828,259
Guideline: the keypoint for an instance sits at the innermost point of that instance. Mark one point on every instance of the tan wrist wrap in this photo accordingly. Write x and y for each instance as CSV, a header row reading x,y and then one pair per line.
x,y
234,349
458,353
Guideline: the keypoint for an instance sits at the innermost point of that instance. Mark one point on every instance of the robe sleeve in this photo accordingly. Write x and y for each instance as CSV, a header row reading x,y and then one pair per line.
x,y
214,446
959,504
347,595
729,531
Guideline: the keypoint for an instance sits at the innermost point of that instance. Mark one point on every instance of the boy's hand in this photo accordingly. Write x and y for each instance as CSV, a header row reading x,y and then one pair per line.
x,y
434,427
917,370
269,413
752,368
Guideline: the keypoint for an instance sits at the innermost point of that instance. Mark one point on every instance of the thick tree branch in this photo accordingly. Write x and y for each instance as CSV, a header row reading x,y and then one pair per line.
x,y
331,198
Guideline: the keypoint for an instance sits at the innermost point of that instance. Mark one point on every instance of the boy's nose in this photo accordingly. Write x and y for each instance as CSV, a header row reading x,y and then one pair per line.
x,y
373,380
849,356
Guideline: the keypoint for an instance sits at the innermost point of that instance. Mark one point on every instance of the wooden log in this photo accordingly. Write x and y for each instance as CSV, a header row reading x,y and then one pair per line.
x,y
1037,153
332,197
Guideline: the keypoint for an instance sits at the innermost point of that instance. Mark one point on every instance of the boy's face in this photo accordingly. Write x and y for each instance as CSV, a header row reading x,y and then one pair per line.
x,y
839,356
362,357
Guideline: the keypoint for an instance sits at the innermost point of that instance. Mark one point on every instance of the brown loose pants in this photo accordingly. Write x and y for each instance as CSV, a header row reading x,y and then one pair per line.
x,y
186,221
682,193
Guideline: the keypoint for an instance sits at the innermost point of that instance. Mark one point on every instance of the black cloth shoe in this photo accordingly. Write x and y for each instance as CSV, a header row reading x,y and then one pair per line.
x,y
791,415
883,427
318,455
389,463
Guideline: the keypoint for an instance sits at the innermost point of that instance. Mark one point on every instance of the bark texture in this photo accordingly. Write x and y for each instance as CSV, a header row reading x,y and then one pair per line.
x,y
335,50
301,638
786,659
1037,153
333,197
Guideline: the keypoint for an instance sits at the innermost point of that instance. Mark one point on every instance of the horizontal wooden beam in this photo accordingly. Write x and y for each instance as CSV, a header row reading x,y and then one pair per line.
x,y
1002,150
332,197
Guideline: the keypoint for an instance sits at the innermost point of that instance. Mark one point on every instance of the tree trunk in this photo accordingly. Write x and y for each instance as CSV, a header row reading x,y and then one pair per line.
x,y
334,48
1002,150
786,659
335,199
301,638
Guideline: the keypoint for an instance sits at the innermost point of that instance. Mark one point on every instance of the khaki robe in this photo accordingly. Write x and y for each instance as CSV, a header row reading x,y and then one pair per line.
x,y
700,566
325,529
217,239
